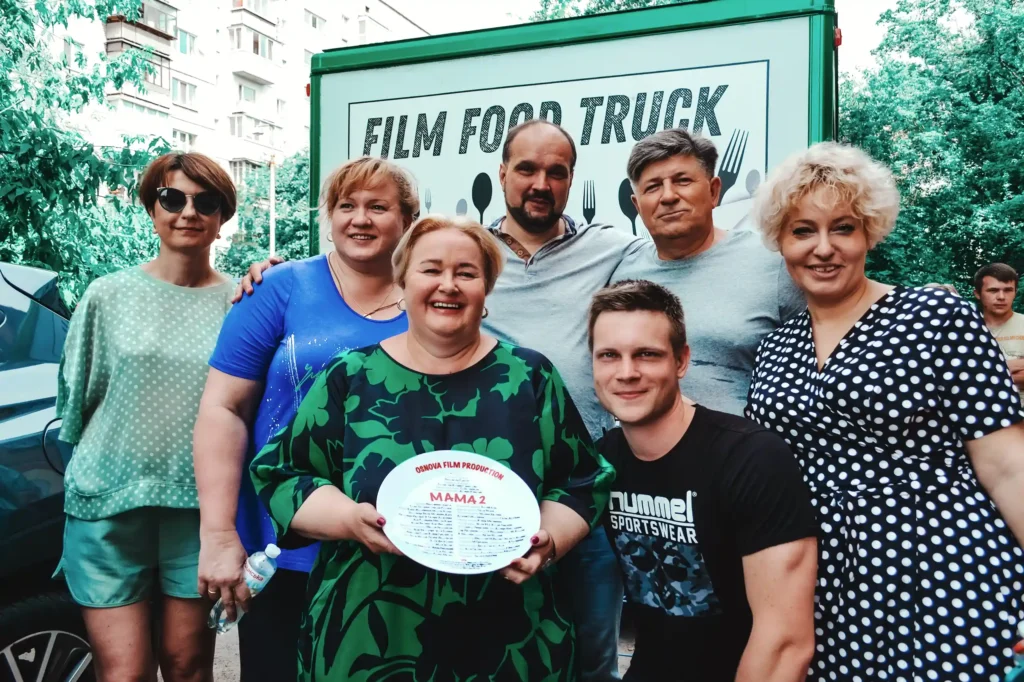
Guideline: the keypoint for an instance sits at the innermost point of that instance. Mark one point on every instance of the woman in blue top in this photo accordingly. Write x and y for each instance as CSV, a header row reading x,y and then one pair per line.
x,y
271,347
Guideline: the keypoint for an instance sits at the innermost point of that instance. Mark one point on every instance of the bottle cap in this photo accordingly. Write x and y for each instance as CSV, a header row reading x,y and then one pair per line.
x,y
1018,648
272,551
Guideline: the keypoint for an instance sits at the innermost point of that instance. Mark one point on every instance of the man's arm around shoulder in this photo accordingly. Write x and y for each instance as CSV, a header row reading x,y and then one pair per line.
x,y
780,589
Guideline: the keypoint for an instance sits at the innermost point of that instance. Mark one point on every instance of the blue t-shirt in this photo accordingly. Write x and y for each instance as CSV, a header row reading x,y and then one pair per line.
x,y
284,335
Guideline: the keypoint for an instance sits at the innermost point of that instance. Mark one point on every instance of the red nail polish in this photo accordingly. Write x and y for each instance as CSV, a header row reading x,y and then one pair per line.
x,y
534,540
380,521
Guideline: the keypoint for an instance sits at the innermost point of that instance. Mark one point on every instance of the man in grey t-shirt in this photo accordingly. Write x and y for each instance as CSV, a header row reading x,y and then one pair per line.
x,y
733,289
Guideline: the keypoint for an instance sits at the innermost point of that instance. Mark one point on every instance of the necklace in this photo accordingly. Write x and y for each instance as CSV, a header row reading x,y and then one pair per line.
x,y
336,276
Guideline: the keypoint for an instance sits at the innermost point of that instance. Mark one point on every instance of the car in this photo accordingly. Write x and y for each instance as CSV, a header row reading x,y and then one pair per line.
x,y
42,636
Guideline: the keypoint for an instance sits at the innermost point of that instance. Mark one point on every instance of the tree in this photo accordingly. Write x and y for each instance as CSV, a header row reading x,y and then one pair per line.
x,y
251,242
944,109
51,212
559,9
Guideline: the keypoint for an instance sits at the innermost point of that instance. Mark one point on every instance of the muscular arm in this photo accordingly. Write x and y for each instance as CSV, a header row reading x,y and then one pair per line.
x,y
780,589
998,460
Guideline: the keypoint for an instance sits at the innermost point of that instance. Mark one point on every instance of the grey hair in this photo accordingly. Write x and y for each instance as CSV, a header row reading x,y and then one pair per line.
x,y
666,144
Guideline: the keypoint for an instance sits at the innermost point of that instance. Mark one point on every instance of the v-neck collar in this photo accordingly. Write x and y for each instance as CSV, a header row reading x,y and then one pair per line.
x,y
843,342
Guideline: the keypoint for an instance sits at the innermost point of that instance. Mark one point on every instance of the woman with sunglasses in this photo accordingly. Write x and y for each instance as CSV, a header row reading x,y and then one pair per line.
x,y
133,371
272,346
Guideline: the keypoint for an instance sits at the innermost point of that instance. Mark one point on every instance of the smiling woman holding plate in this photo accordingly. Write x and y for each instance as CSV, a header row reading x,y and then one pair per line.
x,y
373,613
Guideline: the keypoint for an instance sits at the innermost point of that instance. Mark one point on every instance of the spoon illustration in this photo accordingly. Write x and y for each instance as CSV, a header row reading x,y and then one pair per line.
x,y
626,203
753,181
482,193
461,207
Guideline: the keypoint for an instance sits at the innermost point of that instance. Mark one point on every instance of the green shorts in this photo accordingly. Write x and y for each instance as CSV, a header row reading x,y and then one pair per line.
x,y
118,561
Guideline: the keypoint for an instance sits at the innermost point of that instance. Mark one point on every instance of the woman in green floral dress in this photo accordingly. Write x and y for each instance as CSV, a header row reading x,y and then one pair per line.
x,y
373,614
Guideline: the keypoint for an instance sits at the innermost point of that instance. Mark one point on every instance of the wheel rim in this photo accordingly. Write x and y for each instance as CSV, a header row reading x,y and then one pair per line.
x,y
48,656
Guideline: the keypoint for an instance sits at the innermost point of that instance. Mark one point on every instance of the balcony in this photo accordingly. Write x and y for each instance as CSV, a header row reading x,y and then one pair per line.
x,y
256,8
258,69
119,30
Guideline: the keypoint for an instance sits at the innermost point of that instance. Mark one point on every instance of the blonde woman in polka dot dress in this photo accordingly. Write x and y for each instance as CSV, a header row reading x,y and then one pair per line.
x,y
133,371
902,415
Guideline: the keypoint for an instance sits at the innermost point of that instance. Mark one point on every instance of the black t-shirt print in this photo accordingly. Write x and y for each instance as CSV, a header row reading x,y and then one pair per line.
x,y
681,525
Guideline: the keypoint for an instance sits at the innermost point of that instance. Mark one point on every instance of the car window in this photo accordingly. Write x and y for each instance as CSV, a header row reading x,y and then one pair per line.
x,y
31,341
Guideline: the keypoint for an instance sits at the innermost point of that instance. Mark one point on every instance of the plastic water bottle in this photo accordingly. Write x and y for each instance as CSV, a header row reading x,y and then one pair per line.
x,y
257,572
1017,673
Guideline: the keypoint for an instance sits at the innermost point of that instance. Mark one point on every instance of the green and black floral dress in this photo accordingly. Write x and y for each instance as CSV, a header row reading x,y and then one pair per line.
x,y
385,617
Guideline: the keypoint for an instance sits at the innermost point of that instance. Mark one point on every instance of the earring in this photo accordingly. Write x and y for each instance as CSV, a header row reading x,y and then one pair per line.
x,y
330,237
485,312
401,304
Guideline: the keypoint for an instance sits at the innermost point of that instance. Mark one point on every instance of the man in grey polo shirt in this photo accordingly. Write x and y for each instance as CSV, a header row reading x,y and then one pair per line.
x,y
540,301
733,289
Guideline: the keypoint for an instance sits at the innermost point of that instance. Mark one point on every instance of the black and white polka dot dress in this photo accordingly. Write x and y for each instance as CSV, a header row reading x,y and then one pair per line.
x,y
919,577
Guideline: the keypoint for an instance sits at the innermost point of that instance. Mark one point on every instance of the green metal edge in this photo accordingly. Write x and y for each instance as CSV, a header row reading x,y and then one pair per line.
x,y
692,15
823,98
314,164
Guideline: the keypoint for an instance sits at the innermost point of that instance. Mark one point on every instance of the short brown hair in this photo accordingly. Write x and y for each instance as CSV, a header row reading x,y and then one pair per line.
x,y
365,172
198,168
631,295
1000,271
493,260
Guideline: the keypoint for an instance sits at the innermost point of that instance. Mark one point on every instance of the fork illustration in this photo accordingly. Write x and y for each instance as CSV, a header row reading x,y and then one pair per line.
x,y
589,201
732,161
426,200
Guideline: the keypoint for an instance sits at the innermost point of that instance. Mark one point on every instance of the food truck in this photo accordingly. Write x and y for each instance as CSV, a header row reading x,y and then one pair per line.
x,y
757,77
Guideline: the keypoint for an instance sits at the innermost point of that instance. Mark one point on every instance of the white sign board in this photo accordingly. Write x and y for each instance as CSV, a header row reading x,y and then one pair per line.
x,y
445,121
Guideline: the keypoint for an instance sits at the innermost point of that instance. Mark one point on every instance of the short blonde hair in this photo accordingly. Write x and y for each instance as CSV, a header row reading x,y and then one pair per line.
x,y
850,175
363,173
489,249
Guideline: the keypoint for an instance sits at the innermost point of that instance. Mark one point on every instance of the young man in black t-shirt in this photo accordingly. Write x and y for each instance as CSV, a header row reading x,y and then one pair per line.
x,y
709,516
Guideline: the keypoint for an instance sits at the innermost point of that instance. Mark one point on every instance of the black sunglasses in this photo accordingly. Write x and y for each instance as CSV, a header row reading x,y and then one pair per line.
x,y
174,200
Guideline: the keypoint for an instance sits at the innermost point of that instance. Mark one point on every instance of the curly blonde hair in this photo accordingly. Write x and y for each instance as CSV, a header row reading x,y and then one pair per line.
x,y
848,173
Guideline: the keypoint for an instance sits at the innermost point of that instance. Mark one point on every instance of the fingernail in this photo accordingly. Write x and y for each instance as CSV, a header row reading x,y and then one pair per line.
x,y
534,540
381,521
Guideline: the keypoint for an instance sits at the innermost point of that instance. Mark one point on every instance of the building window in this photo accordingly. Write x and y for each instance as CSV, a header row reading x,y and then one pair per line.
x,y
244,38
72,52
253,129
240,170
315,21
262,45
158,73
183,93
257,6
141,109
182,141
162,17
186,42
246,93
280,107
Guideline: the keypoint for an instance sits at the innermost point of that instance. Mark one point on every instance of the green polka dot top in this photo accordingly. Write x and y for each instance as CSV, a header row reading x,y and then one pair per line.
x,y
133,370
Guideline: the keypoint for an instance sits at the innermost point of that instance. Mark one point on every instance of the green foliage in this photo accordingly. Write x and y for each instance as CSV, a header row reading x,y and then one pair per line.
x,y
944,109
251,243
51,214
560,9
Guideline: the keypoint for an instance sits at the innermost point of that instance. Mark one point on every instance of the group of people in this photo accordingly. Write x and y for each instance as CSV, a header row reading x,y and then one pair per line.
x,y
810,474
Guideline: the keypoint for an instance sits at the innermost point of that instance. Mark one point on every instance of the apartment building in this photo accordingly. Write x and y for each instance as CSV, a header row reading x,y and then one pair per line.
x,y
230,76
